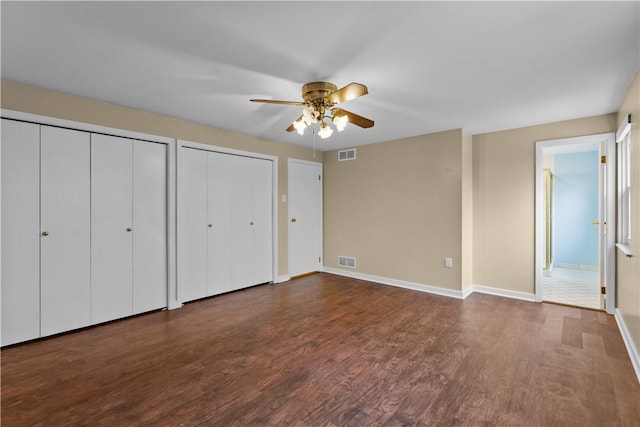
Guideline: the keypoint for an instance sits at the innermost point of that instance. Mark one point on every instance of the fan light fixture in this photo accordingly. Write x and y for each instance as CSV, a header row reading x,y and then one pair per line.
x,y
320,100
311,116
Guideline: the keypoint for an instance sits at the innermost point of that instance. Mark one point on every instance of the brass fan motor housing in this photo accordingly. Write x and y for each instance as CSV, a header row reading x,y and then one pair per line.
x,y
317,91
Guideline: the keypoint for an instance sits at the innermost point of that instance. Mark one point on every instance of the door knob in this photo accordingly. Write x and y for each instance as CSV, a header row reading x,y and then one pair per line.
x,y
293,220
251,223
45,233
596,223
210,225
129,229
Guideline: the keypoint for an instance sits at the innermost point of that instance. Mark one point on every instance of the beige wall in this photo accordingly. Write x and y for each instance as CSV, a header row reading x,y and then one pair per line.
x,y
504,199
398,208
628,269
29,99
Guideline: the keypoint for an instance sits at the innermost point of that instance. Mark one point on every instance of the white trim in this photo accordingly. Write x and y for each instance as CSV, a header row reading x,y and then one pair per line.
x,y
430,289
282,279
625,249
503,293
628,342
274,177
87,127
624,128
172,290
436,290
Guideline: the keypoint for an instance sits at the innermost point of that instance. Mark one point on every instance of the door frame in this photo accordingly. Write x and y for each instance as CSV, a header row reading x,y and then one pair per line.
x,y
606,215
182,144
320,240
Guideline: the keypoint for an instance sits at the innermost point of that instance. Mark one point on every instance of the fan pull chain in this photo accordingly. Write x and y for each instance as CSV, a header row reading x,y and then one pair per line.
x,y
313,130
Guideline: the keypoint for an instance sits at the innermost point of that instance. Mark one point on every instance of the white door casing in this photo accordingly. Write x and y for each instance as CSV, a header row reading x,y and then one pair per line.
x,y
305,216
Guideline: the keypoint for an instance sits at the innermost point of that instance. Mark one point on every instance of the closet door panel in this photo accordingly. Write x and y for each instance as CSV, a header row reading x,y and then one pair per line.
x,y
219,211
194,224
262,221
242,222
111,222
149,226
65,216
20,145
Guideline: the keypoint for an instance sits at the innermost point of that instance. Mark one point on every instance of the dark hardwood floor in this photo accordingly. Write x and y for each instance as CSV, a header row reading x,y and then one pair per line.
x,y
325,350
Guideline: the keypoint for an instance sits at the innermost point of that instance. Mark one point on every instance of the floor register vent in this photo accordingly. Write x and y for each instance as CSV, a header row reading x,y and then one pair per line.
x,y
345,261
344,155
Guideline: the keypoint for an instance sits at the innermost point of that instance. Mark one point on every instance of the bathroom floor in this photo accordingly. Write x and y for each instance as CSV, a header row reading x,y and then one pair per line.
x,y
573,287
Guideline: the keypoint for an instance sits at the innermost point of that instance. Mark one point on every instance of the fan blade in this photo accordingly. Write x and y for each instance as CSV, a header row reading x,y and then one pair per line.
x,y
355,119
271,101
291,128
349,92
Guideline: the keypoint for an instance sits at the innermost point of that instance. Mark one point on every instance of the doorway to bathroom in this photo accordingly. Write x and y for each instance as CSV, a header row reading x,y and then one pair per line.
x,y
575,227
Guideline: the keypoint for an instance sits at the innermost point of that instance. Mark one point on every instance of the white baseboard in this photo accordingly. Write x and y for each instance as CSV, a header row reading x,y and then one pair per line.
x,y
628,342
503,293
436,290
281,279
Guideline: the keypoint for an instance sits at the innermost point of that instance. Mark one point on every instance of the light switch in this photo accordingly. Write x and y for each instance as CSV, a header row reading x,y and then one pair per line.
x,y
448,263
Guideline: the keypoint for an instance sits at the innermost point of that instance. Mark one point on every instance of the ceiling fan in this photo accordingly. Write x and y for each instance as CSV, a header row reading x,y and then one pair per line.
x,y
320,100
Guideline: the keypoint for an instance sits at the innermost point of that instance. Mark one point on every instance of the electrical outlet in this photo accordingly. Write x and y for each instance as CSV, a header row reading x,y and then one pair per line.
x,y
448,263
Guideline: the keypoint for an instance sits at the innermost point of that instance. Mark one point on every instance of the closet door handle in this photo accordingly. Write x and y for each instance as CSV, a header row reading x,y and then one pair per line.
x,y
45,233
129,229
210,225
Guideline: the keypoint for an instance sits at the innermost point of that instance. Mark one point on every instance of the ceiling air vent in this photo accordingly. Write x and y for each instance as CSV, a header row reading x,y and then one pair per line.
x,y
345,261
344,155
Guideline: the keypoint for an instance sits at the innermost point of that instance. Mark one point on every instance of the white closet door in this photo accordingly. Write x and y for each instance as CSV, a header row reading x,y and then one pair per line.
x,y
242,222
20,146
111,225
149,226
194,225
262,221
65,217
219,211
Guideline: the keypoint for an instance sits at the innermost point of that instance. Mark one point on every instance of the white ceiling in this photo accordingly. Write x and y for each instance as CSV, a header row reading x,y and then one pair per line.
x,y
429,66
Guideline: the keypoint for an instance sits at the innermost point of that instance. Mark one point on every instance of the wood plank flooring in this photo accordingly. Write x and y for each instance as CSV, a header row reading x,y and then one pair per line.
x,y
325,350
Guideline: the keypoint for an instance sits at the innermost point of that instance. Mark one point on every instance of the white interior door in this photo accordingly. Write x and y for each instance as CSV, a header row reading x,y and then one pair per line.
x,y
20,145
149,226
193,224
242,222
608,222
305,217
65,227
262,221
111,228
219,236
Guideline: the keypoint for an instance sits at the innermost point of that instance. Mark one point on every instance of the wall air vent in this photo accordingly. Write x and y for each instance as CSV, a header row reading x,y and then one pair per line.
x,y
344,155
346,261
